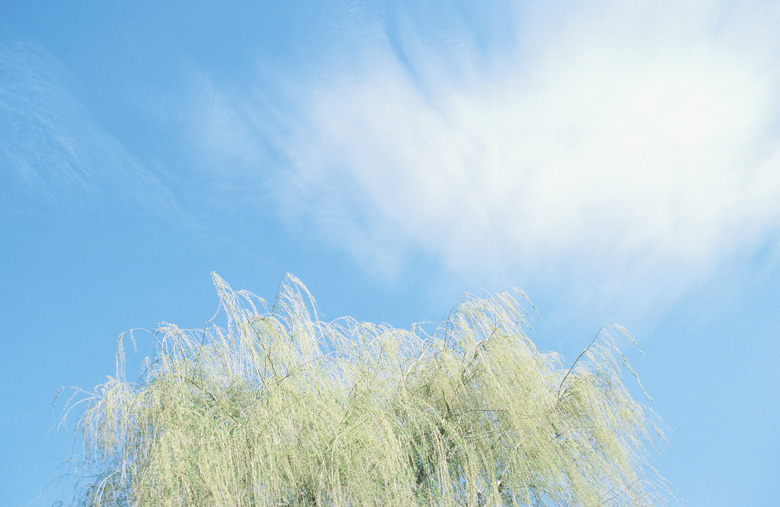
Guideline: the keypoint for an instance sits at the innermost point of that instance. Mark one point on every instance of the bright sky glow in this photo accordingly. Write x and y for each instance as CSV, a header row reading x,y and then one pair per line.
x,y
620,162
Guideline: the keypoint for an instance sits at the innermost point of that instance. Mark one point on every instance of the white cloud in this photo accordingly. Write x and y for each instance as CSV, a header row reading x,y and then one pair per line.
x,y
638,137
608,143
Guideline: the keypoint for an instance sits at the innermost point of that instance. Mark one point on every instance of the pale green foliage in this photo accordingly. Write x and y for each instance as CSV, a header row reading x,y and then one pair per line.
x,y
278,407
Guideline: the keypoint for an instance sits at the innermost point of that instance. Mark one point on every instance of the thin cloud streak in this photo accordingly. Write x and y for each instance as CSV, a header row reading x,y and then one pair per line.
x,y
54,152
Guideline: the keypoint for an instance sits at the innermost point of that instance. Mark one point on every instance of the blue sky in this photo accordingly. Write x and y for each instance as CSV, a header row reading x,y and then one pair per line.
x,y
619,162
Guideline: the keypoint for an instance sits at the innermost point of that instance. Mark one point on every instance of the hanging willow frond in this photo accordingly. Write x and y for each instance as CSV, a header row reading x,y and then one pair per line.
x,y
280,408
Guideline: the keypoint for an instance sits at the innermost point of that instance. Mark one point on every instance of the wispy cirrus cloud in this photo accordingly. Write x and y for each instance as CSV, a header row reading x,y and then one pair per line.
x,y
632,134
54,151
597,138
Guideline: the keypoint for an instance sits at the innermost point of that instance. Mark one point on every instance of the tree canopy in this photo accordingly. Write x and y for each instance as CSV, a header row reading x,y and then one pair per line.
x,y
276,407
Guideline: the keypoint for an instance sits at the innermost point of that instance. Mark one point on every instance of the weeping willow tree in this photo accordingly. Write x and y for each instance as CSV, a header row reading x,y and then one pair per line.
x,y
276,407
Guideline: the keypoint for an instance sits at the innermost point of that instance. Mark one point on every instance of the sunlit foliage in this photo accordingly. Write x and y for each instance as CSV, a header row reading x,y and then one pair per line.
x,y
276,407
